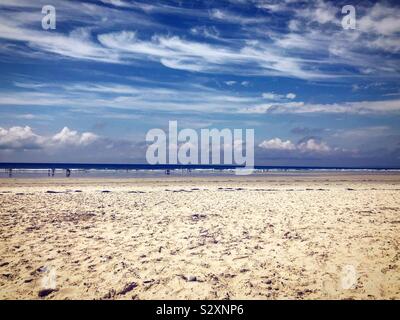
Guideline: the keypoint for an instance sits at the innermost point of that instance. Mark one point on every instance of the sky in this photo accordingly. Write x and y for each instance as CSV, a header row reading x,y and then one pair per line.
x,y
89,90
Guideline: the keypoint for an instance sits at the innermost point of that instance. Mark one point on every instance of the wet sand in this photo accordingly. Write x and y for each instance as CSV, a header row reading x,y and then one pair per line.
x,y
272,236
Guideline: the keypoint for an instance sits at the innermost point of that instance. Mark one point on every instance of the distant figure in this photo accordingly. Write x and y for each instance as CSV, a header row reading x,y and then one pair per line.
x,y
48,173
10,173
67,173
53,172
167,172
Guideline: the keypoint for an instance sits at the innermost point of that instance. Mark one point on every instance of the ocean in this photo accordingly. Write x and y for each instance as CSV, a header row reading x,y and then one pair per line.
x,y
104,170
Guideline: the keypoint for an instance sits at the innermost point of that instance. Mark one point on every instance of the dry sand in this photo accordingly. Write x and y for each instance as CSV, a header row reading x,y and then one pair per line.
x,y
313,236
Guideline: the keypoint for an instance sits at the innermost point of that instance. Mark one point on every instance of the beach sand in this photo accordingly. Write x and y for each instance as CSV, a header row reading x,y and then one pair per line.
x,y
270,236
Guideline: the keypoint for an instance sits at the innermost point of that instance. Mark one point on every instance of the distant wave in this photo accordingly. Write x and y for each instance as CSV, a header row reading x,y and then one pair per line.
x,y
147,167
40,170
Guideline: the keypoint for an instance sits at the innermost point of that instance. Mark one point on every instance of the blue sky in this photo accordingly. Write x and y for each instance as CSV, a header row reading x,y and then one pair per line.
x,y
88,91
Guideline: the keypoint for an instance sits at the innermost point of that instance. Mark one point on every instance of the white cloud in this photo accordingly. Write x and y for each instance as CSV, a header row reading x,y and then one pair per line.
x,y
362,132
313,146
358,107
230,83
290,95
71,137
321,12
389,44
118,3
207,32
310,145
271,96
25,138
276,97
85,96
306,52
178,53
76,45
19,138
277,144
380,19
20,22
294,25
273,7
230,17
282,107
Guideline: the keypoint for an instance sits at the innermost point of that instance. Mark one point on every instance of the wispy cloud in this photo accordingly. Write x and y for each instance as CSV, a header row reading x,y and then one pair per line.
x,y
359,107
306,52
180,98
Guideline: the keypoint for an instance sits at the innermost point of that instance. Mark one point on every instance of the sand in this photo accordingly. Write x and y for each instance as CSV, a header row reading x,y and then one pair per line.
x,y
271,236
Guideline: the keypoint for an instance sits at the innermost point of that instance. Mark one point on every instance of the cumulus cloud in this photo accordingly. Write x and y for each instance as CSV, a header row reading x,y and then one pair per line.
x,y
313,146
17,138
71,137
277,144
309,145
20,138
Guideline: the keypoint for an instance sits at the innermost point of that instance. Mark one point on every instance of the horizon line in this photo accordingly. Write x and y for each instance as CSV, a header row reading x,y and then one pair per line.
x,y
138,166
